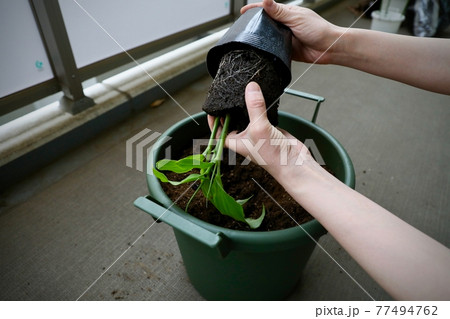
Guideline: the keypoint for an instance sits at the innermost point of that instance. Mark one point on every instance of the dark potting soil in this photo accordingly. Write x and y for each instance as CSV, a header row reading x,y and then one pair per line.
x,y
227,92
238,182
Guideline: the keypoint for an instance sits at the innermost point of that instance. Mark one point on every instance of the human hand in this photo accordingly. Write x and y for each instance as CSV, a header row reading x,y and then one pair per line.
x,y
313,36
272,148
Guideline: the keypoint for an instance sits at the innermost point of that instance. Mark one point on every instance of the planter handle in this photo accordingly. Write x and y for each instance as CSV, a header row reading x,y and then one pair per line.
x,y
213,240
308,96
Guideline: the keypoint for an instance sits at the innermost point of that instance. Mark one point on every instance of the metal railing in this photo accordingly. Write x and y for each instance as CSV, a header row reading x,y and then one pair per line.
x,y
67,77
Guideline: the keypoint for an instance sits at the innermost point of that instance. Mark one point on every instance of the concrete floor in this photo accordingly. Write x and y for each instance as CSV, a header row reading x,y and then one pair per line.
x,y
70,231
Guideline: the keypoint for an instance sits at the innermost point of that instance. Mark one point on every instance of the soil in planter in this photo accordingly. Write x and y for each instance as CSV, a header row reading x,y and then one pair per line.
x,y
238,182
227,92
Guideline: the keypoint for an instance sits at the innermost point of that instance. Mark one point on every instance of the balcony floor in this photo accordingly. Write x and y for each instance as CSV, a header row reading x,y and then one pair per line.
x,y
70,230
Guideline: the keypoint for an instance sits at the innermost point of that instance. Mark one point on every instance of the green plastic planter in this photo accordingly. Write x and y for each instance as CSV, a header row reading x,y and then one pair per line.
x,y
225,264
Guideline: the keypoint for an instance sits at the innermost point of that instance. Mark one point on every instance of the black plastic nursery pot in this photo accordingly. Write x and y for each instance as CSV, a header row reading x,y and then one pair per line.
x,y
255,30
255,48
225,264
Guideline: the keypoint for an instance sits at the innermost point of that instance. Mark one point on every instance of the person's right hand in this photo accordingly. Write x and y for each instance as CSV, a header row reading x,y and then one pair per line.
x,y
312,35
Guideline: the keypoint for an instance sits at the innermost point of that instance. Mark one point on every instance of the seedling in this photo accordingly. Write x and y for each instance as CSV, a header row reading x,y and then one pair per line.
x,y
208,165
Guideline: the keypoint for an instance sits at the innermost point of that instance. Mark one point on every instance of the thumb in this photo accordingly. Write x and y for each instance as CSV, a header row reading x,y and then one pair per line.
x,y
276,11
256,106
259,124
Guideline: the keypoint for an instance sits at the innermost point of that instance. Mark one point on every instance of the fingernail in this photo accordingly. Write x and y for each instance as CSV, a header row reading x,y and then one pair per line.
x,y
253,87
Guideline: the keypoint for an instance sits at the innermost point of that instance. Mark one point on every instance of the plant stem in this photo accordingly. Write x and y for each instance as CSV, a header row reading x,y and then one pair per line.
x,y
218,151
208,149
192,197
219,147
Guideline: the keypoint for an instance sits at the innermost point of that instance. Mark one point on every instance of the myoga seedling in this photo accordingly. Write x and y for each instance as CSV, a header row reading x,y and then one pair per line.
x,y
208,166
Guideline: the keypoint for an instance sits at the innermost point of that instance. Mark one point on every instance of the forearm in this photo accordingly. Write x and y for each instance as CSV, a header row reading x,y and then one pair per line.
x,y
420,62
404,261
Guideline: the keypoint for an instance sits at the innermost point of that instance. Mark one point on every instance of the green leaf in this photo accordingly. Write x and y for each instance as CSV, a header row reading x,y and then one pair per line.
x,y
255,223
184,165
221,200
243,201
163,178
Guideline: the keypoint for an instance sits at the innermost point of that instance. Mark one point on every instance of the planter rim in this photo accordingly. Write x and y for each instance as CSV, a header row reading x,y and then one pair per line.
x,y
388,16
276,239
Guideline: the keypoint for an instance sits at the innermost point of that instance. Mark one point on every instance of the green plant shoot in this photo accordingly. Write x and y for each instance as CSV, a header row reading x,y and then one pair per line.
x,y
208,164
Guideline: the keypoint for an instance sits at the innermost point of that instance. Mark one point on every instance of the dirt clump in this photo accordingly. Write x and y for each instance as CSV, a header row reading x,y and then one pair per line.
x,y
227,92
